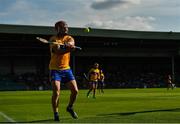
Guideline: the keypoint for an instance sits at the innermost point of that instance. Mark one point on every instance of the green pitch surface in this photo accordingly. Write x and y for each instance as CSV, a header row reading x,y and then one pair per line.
x,y
115,105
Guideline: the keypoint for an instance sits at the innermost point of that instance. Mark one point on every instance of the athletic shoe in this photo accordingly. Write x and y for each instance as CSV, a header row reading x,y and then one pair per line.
x,y
56,117
72,113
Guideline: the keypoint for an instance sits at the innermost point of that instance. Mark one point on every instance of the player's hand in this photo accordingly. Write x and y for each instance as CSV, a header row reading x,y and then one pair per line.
x,y
70,45
62,47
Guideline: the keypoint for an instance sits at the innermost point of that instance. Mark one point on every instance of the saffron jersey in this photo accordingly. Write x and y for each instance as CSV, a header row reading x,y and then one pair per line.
x,y
59,61
101,77
94,74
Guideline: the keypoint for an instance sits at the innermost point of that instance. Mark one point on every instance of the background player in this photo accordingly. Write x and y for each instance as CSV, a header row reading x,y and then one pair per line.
x,y
169,82
60,71
93,76
101,82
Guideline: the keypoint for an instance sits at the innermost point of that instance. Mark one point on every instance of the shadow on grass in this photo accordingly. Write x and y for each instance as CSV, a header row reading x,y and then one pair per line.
x,y
137,112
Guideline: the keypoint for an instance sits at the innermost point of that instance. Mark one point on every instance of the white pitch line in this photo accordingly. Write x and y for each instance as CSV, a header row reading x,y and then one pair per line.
x,y
6,117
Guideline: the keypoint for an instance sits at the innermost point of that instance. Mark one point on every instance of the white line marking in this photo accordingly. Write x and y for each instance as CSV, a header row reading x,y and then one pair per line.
x,y
6,117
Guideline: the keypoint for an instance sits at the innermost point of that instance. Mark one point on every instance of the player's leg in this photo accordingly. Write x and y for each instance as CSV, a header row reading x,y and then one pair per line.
x,y
172,86
55,79
99,86
72,85
90,88
55,98
102,87
74,91
94,89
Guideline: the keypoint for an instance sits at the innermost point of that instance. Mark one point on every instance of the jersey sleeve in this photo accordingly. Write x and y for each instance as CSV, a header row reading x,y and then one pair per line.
x,y
69,40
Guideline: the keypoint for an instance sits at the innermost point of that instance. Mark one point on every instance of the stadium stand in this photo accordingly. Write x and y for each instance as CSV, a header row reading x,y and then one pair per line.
x,y
129,59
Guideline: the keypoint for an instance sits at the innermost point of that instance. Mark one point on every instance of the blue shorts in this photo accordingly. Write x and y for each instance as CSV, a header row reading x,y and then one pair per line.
x,y
63,76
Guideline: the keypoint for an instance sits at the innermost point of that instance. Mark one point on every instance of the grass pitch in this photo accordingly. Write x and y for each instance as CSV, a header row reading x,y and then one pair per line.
x,y
115,105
